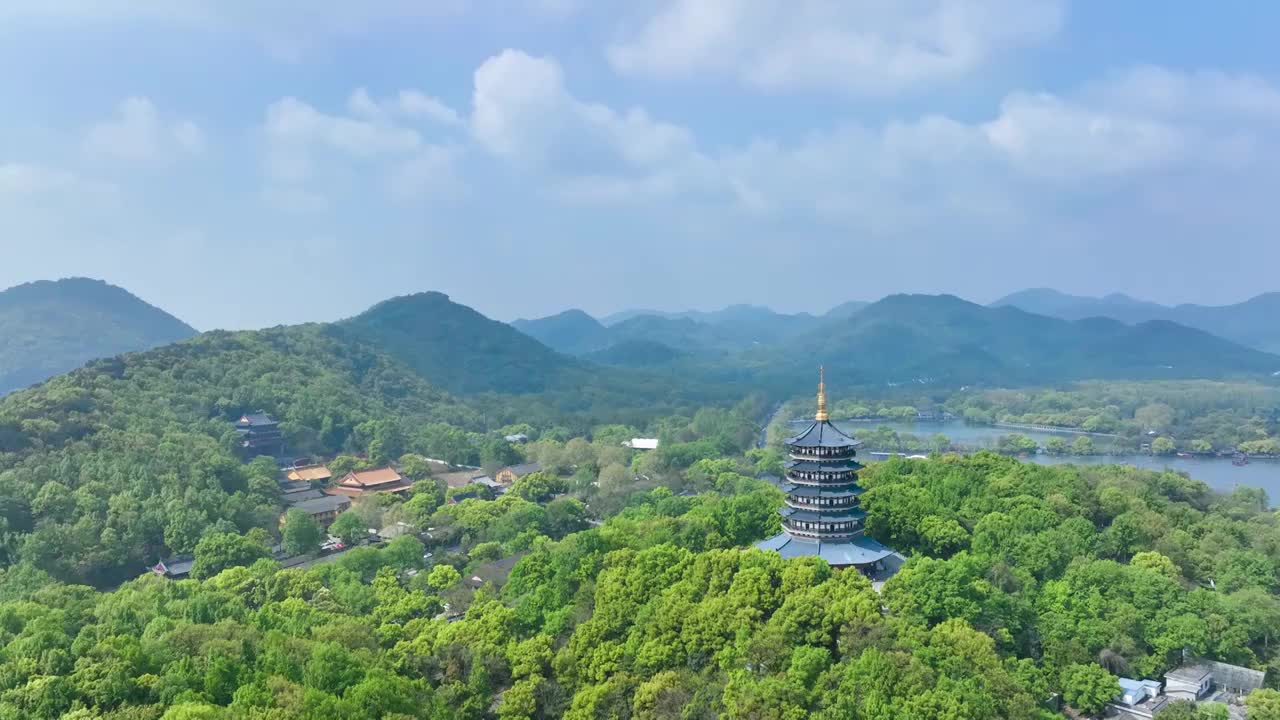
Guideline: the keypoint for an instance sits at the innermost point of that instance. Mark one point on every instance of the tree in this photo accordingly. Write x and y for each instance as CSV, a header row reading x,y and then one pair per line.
x,y
443,577
301,533
1263,704
1156,416
1088,688
415,467
614,478
943,536
350,527
1082,445
1163,446
218,551
332,668
1015,444
939,443
538,486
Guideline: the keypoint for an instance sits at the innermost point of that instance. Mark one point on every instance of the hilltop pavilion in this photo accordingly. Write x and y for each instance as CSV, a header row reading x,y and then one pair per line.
x,y
823,516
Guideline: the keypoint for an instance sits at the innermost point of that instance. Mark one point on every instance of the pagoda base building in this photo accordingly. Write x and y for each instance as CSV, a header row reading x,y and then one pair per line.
x,y
823,516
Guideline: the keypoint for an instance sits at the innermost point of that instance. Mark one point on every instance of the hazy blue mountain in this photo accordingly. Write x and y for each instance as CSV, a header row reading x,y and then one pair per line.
x,y
636,353
572,331
845,309
50,327
942,338
1252,322
692,332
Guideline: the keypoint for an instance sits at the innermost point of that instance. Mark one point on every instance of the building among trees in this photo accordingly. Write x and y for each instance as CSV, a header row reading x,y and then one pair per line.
x,y
360,483
260,434
324,509
822,516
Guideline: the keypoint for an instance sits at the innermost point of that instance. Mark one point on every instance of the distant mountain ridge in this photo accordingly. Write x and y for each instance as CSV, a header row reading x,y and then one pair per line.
x,y
911,338
942,338
1252,322
50,327
696,333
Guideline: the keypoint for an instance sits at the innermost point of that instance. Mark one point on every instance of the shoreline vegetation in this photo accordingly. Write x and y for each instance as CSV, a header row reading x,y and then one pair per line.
x,y
1204,419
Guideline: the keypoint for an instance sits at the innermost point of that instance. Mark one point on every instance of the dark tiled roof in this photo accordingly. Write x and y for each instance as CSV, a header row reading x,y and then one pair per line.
x,y
293,498
822,434
255,420
525,469
326,503
830,515
835,491
835,465
858,551
293,486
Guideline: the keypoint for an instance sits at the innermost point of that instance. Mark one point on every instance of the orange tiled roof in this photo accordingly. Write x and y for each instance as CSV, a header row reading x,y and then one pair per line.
x,y
372,478
310,474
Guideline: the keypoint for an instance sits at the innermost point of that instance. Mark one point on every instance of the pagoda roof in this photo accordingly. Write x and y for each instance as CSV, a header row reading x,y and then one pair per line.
x,y
822,434
831,515
830,491
832,465
854,551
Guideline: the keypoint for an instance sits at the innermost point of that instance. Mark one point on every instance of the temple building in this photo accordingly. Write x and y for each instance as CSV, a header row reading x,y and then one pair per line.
x,y
822,516
260,434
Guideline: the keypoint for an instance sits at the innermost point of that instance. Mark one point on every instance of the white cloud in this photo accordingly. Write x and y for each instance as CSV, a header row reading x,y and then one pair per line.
x,y
305,146
855,46
27,181
523,112
1141,119
1046,135
139,134
1137,134
412,102
407,104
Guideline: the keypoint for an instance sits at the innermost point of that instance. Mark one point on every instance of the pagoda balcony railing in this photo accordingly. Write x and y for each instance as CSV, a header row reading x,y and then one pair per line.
x,y
823,535
812,476
806,454
839,480
835,504
817,529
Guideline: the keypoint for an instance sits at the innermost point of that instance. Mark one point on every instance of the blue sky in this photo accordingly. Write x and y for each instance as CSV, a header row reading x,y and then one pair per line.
x,y
252,163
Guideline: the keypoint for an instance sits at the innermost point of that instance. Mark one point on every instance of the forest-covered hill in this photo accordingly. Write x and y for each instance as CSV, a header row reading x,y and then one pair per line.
x,y
942,339
1251,322
50,327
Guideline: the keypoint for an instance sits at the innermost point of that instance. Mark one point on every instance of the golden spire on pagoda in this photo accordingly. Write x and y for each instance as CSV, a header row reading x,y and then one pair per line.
x,y
821,415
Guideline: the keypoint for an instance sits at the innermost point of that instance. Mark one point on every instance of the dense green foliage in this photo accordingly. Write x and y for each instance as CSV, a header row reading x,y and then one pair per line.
x,y
132,458
1194,416
1076,566
47,328
1024,580
106,469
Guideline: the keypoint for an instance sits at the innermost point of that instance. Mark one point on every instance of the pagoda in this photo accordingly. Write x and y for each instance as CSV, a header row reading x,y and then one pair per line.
x,y
823,516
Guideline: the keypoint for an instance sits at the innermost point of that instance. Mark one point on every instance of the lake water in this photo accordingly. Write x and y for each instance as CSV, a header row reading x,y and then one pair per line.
x,y
1218,473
